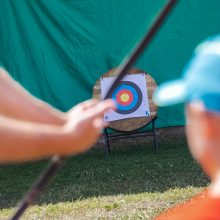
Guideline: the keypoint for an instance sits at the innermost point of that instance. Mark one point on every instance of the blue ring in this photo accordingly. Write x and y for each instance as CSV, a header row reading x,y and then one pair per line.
x,y
135,104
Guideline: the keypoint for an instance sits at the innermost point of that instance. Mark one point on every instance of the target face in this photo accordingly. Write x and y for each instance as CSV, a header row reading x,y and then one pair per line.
x,y
128,97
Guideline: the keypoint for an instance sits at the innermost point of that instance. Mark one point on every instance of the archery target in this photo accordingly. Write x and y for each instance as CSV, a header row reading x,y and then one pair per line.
x,y
130,97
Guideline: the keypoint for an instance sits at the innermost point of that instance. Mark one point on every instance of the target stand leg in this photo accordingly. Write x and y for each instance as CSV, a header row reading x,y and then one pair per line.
x,y
155,136
106,142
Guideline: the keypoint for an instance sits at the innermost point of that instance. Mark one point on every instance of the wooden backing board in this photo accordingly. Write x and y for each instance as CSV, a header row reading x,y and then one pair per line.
x,y
130,124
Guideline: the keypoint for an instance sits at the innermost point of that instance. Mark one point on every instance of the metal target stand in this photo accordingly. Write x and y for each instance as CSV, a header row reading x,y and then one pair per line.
x,y
131,134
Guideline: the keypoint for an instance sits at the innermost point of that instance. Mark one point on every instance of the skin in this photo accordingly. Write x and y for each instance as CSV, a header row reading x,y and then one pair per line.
x,y
32,129
203,133
17,103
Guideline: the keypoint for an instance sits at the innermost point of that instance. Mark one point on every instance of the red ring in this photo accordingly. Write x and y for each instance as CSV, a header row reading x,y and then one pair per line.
x,y
129,93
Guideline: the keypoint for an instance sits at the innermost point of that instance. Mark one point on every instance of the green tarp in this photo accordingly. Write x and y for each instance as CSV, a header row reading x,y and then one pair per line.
x,y
57,49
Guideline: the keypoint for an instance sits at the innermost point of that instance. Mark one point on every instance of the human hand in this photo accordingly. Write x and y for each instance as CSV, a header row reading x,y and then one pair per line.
x,y
84,124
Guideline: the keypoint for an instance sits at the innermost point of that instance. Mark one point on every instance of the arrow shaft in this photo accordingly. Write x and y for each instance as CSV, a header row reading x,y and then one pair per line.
x,y
57,161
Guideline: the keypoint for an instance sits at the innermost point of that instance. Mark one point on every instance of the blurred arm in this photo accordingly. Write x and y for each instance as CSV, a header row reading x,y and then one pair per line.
x,y
23,140
17,103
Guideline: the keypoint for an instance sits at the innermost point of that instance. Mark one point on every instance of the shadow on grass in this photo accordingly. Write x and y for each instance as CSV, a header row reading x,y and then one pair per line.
x,y
131,168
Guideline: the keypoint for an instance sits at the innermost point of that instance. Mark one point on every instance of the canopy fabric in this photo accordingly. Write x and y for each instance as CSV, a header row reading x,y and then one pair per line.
x,y
57,49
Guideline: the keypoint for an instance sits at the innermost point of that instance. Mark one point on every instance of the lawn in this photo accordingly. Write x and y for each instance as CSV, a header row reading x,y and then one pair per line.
x,y
133,183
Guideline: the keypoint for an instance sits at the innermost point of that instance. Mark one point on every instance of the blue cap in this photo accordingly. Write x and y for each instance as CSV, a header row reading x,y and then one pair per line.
x,y
200,81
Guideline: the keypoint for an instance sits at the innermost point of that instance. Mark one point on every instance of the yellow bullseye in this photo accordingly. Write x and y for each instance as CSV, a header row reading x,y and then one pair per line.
x,y
124,97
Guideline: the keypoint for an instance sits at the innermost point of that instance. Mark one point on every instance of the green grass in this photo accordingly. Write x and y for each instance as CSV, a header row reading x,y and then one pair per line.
x,y
134,183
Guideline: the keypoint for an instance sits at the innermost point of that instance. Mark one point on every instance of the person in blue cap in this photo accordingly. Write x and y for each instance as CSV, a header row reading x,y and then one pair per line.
x,y
199,89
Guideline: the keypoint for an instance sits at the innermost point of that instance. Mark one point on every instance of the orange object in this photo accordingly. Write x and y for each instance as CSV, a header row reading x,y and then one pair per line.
x,y
201,207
